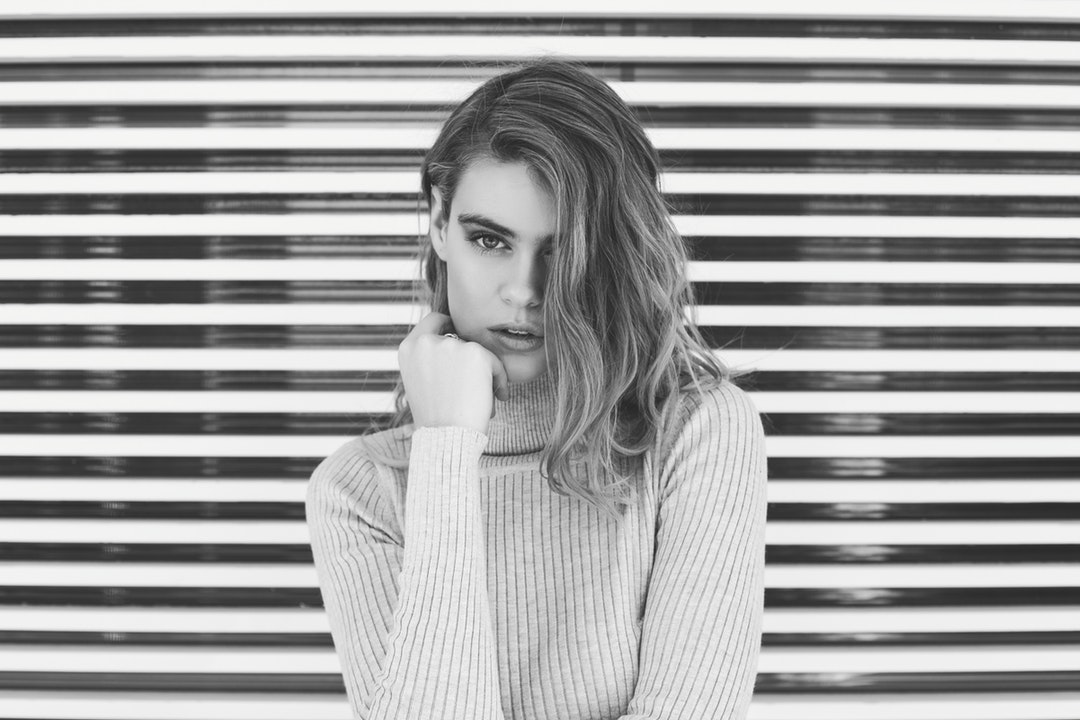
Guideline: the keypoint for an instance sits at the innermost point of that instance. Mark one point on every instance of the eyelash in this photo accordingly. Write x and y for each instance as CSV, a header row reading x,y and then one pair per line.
x,y
474,240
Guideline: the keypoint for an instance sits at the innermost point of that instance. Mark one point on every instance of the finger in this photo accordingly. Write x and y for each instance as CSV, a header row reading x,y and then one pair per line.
x,y
434,323
500,382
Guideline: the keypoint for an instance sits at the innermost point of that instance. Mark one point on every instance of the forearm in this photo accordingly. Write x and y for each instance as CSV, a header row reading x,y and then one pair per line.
x,y
441,660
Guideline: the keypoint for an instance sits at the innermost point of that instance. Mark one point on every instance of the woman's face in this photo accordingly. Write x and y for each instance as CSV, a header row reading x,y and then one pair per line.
x,y
496,245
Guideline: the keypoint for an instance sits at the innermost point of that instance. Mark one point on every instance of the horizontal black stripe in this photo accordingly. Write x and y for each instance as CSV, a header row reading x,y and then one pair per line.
x,y
726,249
507,25
887,639
865,554
861,469
170,596
121,510
696,160
282,468
227,292
254,510
855,469
882,337
869,249
916,682
161,553
894,511
265,597
877,424
697,204
111,639
194,115
382,336
921,597
386,380
916,554
630,70
766,683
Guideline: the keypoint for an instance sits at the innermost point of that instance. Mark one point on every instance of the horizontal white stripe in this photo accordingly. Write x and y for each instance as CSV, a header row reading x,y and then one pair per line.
x,y
300,359
335,401
200,401
224,182
919,619
164,574
167,659
923,532
306,269
412,225
936,658
910,575
383,314
838,446
255,575
709,94
134,489
981,705
893,360
778,532
875,491
232,532
225,659
779,491
1017,10
869,183
413,47
891,315
165,619
873,226
141,705
410,270
421,137
314,620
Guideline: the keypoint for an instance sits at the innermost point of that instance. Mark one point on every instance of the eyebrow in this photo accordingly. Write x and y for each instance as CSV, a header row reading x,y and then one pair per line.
x,y
484,221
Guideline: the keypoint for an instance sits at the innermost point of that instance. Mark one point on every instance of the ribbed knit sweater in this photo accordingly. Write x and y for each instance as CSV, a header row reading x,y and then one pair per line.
x,y
463,588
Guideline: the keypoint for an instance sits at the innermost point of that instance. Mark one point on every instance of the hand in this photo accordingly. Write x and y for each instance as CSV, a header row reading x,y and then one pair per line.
x,y
447,381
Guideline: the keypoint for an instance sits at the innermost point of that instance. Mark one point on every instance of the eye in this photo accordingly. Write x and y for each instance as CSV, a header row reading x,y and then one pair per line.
x,y
477,240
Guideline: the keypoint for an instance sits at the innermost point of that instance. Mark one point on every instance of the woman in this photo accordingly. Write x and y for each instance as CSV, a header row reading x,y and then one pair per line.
x,y
565,522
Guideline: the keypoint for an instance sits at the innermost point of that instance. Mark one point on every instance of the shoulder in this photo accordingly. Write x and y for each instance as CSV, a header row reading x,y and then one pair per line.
x,y
719,429
723,408
358,477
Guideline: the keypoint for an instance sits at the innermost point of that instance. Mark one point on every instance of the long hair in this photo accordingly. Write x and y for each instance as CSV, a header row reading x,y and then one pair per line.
x,y
618,342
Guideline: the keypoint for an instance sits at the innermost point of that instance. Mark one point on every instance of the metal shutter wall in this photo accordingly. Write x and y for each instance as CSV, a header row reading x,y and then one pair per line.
x,y
207,217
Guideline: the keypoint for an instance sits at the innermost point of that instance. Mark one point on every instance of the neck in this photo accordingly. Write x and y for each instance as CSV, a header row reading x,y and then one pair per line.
x,y
523,423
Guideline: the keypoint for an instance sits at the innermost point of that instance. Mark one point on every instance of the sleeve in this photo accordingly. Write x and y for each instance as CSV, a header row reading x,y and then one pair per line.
x,y
701,634
411,620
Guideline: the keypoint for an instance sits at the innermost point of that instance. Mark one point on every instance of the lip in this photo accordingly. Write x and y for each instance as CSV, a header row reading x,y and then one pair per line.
x,y
529,327
513,344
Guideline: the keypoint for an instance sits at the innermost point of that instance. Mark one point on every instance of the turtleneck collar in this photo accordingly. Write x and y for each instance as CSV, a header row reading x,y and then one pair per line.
x,y
523,423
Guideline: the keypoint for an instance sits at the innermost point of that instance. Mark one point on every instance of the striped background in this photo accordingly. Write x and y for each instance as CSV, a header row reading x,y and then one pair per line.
x,y
208,213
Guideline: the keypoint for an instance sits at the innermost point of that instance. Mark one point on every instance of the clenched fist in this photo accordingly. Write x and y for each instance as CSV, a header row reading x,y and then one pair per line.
x,y
447,381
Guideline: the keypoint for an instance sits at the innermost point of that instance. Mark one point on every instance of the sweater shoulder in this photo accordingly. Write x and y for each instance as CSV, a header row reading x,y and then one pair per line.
x,y
722,416
720,407
360,476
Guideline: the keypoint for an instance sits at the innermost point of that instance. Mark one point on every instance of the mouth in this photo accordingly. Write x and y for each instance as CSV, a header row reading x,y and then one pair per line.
x,y
518,341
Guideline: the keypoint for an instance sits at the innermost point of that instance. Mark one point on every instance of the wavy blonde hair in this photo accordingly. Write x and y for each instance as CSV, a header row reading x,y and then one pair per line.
x,y
620,349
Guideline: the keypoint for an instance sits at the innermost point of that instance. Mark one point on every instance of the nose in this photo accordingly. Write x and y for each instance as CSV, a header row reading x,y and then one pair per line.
x,y
525,284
